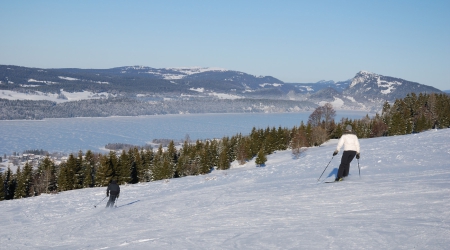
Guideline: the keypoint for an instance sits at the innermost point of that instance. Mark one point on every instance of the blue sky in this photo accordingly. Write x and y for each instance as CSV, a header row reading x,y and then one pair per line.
x,y
294,41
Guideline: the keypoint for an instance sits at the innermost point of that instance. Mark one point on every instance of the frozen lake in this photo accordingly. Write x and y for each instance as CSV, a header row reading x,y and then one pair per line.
x,y
73,134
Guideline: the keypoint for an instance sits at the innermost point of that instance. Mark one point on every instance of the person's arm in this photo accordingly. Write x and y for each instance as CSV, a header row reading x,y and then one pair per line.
x,y
357,145
340,143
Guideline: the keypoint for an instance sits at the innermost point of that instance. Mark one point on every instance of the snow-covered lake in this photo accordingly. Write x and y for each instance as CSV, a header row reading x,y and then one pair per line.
x,y
400,201
73,134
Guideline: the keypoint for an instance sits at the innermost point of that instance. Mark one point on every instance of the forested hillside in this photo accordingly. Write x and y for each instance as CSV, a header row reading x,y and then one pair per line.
x,y
413,114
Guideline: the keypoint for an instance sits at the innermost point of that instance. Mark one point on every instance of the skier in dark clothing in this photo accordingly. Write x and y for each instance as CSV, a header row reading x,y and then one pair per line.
x,y
351,149
113,192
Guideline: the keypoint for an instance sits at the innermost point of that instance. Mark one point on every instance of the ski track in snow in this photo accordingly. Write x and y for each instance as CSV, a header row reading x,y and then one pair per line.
x,y
400,201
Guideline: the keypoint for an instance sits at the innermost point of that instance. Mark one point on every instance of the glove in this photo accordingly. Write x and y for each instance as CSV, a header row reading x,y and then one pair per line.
x,y
357,156
335,152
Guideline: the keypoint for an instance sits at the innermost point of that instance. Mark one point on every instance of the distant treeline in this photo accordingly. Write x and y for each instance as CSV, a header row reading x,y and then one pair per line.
x,y
412,114
115,106
36,152
125,146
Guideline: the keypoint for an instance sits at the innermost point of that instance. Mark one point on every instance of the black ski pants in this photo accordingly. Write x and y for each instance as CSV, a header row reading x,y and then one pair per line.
x,y
111,201
344,168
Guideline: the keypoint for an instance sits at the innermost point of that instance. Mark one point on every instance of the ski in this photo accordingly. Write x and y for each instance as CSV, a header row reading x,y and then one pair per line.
x,y
332,181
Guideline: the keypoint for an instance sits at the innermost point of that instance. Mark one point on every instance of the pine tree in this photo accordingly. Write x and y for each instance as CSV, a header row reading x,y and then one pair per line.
x,y
243,152
255,141
79,171
10,184
123,168
147,164
2,187
27,178
62,177
133,168
20,188
89,167
224,159
183,161
163,166
107,169
71,176
135,157
261,158
205,161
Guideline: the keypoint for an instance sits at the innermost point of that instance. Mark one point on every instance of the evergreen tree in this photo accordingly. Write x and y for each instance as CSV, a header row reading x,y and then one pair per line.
x,y
71,172
147,164
163,167
205,161
261,158
224,158
10,184
172,153
62,177
183,161
27,180
123,168
308,132
89,166
79,171
2,187
107,169
133,168
20,187
135,157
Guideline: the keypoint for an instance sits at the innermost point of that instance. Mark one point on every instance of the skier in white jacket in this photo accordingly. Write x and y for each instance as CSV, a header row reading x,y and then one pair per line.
x,y
351,149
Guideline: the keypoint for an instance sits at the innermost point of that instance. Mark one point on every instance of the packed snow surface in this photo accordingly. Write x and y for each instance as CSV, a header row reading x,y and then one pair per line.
x,y
400,201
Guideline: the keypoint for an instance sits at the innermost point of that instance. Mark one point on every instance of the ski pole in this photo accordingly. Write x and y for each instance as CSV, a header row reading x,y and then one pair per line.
x,y
99,202
325,168
359,170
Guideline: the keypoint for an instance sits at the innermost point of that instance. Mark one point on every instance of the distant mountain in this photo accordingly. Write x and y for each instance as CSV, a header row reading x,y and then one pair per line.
x,y
134,80
373,87
135,84
447,91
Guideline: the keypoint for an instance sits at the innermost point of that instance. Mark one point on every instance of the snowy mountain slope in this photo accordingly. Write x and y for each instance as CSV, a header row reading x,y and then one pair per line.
x,y
400,201
366,85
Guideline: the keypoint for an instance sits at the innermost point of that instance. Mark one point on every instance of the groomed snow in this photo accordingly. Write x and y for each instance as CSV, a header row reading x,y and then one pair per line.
x,y
401,201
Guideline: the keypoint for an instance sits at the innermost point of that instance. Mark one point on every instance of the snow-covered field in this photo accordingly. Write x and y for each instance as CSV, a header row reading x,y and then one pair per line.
x,y
39,96
401,201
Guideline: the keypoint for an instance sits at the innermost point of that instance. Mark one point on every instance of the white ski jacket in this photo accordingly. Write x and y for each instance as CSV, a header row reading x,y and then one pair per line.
x,y
350,142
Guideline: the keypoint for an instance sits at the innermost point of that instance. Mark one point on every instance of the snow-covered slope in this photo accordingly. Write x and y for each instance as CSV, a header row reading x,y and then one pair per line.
x,y
58,98
370,86
400,201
